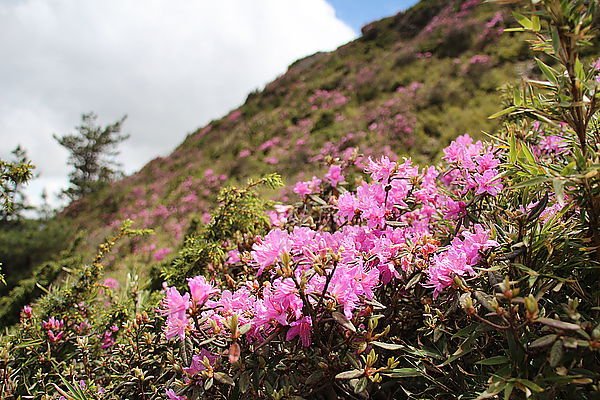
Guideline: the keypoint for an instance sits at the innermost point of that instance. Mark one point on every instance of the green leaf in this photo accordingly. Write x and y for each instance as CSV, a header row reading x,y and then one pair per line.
x,y
548,72
536,180
387,346
244,381
403,373
559,190
523,20
555,323
343,321
224,378
531,385
496,360
361,385
352,374
508,390
535,22
503,112
555,41
579,72
543,341
556,353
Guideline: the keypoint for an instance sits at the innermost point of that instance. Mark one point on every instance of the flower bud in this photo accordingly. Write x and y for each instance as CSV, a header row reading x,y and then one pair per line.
x,y
531,306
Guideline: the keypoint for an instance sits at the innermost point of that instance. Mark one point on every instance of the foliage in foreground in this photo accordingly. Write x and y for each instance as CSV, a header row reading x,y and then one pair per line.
x,y
476,278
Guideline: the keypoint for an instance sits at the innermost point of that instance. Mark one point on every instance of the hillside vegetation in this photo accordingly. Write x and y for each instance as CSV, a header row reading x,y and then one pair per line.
x,y
389,92
468,274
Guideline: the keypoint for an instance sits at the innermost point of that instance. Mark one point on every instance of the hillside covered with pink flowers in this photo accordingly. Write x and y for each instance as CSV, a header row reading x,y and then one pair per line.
x,y
387,93
413,216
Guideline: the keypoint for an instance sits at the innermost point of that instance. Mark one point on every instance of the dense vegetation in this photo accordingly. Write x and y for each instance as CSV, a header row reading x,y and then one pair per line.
x,y
475,277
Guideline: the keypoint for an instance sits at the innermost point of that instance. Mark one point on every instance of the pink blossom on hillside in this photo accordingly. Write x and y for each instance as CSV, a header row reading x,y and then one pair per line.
x,y
27,312
234,116
267,251
174,304
172,395
244,153
334,175
233,257
382,169
347,206
459,259
271,160
301,328
488,183
198,360
200,290
111,283
160,254
176,327
325,99
307,187
278,217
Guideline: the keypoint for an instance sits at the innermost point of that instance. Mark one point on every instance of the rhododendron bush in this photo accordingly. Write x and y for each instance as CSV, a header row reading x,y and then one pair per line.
x,y
473,278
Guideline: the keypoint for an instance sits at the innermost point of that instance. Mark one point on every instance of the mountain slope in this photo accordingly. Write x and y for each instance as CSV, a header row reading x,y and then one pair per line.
x,y
433,71
407,86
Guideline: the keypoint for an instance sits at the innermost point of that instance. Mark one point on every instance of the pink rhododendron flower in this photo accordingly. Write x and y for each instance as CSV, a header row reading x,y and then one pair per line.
x,y
301,328
244,153
111,283
334,175
267,251
233,257
382,169
200,290
176,327
488,183
459,258
172,395
27,312
160,254
197,364
347,206
307,187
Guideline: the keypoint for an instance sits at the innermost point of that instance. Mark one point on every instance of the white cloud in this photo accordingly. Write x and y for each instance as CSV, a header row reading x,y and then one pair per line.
x,y
171,65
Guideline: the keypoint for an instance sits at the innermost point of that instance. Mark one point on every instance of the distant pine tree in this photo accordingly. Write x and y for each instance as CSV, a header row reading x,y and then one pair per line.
x,y
92,151
13,175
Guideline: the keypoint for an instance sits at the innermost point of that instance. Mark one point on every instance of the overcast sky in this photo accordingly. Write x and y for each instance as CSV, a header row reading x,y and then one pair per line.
x,y
170,65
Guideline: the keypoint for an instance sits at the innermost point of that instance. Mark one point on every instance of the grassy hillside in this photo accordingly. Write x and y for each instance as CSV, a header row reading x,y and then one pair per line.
x,y
389,92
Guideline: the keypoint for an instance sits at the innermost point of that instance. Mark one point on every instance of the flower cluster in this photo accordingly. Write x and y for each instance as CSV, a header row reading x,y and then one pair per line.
x,y
474,167
382,225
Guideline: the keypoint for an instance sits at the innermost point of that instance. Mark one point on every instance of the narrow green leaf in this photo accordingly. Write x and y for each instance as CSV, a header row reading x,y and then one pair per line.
x,y
403,373
535,22
224,378
361,385
548,72
496,360
503,112
387,346
523,20
343,321
508,390
559,190
352,374
579,72
555,41
531,385
555,323
543,341
556,353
